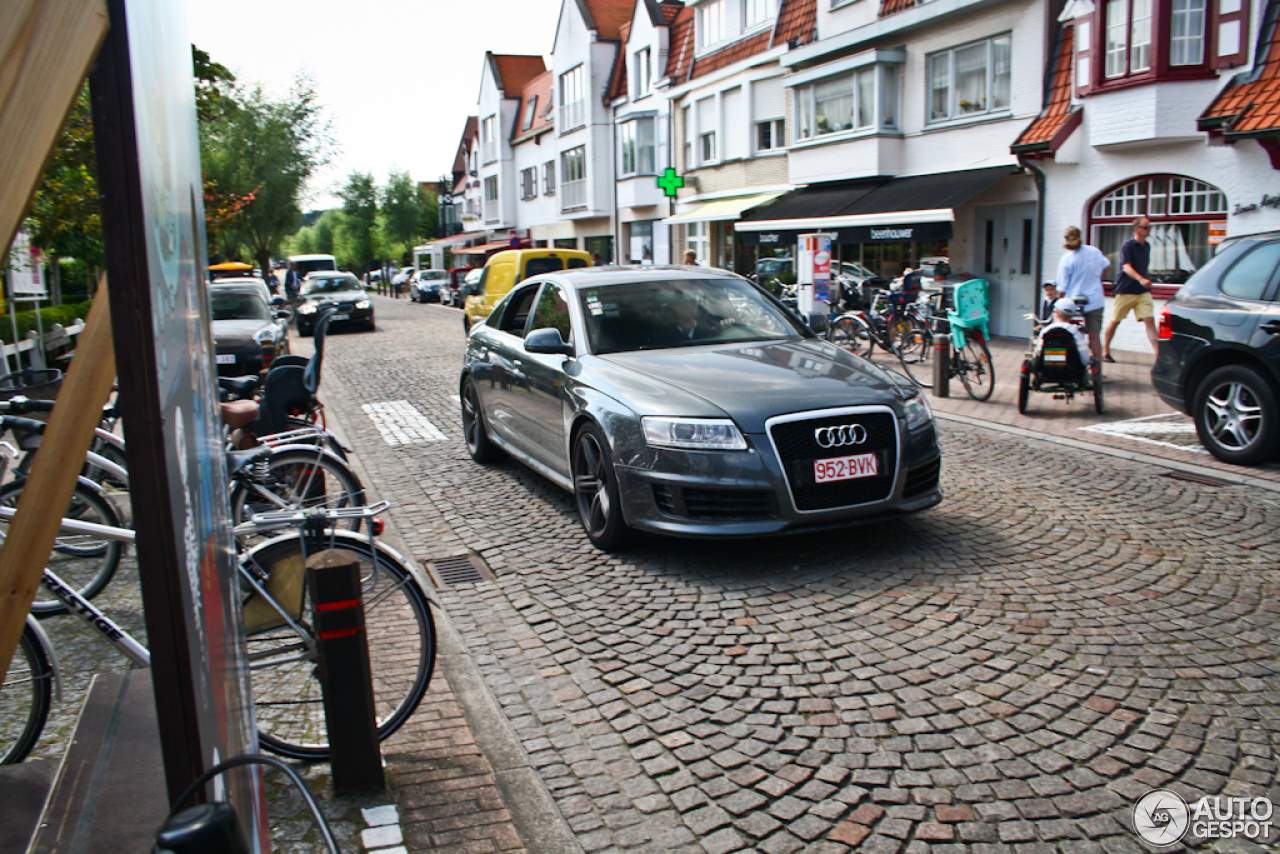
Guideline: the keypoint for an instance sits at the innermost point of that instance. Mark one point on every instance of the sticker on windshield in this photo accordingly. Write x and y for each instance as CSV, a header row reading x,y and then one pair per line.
x,y
593,305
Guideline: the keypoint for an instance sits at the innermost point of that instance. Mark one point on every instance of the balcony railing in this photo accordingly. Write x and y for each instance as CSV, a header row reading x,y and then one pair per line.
x,y
489,151
491,210
573,195
572,115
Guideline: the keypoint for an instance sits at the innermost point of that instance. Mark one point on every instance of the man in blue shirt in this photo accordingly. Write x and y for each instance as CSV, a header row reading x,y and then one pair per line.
x,y
1133,287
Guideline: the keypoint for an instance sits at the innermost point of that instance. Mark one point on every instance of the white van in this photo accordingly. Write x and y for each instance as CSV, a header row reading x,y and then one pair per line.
x,y
311,263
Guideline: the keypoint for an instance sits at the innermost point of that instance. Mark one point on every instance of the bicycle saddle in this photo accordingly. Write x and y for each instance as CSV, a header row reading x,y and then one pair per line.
x,y
238,413
240,386
237,460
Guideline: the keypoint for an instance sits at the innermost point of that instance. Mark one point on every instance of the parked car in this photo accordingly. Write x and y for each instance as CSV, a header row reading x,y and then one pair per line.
x,y
689,402
504,269
456,277
244,281
313,263
1219,356
429,286
340,290
247,332
400,280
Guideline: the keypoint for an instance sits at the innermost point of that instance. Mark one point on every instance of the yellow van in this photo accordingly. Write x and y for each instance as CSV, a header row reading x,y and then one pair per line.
x,y
505,269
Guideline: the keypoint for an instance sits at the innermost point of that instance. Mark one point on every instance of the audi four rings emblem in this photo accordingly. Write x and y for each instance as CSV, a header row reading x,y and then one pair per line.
x,y
839,437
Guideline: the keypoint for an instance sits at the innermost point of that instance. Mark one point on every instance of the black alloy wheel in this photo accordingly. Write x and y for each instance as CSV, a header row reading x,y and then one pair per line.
x,y
1237,416
473,430
595,489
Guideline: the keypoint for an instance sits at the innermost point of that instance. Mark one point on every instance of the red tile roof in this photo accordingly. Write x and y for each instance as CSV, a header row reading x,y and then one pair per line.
x,y
469,130
539,88
514,71
607,16
1059,117
671,8
1250,105
617,87
797,22
892,7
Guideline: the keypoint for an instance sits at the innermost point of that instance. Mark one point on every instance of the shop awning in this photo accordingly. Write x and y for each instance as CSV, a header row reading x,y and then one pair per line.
x,y
720,209
915,207
483,248
445,242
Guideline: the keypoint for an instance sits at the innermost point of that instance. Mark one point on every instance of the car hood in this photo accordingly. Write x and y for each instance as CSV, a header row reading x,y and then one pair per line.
x,y
237,334
752,382
335,296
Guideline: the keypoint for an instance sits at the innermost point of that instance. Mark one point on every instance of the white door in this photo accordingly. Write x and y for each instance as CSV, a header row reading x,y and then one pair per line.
x,y
1006,250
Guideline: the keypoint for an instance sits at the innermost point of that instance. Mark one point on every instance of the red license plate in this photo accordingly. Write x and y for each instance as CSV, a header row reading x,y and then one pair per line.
x,y
846,468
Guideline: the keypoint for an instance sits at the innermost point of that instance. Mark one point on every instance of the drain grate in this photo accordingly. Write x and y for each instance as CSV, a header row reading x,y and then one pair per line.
x,y
1202,479
452,571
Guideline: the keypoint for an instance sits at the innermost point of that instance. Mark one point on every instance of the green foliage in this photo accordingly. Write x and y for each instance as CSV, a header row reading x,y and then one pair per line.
x,y
64,314
401,212
360,207
214,86
64,216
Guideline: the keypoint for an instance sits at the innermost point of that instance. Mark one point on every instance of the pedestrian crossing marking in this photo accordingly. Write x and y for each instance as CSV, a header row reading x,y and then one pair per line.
x,y
401,423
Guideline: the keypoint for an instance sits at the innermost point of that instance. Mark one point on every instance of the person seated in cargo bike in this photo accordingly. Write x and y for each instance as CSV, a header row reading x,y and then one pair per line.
x,y
1061,344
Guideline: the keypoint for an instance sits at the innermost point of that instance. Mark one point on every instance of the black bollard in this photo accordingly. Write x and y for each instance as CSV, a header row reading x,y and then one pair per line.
x,y
942,366
333,580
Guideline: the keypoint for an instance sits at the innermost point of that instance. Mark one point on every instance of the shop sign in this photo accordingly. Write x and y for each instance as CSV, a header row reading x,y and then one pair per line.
x,y
1217,233
1267,202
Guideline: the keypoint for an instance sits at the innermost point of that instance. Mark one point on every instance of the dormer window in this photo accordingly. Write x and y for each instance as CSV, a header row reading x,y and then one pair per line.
x,y
723,21
530,110
643,73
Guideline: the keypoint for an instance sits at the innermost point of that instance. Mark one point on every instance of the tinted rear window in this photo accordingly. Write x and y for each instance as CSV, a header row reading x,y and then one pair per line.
x,y
538,266
575,263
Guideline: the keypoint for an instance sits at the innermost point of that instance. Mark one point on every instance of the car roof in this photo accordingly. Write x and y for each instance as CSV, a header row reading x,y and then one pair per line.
x,y
586,277
237,280
243,289
329,274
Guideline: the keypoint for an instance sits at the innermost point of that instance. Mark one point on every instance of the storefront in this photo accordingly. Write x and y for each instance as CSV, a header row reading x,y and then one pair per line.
x,y
709,229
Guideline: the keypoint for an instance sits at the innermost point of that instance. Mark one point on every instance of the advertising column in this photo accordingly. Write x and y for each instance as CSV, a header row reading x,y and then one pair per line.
x,y
813,274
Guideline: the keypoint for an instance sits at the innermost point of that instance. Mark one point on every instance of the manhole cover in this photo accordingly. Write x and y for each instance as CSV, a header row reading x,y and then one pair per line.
x,y
1197,478
452,571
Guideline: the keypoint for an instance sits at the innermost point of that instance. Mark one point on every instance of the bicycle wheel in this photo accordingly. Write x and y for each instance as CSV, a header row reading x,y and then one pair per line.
x,y
975,368
84,561
300,477
24,698
917,360
850,334
282,665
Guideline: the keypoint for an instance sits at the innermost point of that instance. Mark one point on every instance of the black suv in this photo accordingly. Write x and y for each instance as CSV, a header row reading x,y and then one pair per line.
x,y
1219,358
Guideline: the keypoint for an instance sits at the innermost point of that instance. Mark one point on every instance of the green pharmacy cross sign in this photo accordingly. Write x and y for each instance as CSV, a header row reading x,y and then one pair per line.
x,y
669,182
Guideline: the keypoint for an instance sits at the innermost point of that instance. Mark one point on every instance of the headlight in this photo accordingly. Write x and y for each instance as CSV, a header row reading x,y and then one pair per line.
x,y
918,412
307,308
363,304
701,434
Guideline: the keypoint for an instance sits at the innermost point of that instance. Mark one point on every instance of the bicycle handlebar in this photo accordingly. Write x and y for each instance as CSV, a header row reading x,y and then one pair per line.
x,y
19,404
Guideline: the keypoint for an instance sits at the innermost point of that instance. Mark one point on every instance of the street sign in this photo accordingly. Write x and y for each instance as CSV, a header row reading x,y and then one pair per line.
x,y
25,280
669,182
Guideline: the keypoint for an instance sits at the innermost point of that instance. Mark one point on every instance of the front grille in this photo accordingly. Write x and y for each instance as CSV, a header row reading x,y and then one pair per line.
x,y
798,449
724,505
922,479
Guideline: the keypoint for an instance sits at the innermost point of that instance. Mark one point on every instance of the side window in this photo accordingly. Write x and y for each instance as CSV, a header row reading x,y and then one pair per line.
x,y
1251,275
553,312
517,314
575,263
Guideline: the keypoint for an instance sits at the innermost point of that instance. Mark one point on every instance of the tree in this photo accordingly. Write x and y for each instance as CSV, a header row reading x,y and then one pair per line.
x,y
402,212
215,86
430,204
266,149
360,208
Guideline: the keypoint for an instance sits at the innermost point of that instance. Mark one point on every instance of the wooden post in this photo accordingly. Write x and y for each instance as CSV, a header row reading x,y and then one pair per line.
x,y
34,528
346,679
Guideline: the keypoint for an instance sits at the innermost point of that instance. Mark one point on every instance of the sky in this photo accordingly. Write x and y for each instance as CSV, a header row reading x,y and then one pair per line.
x,y
399,77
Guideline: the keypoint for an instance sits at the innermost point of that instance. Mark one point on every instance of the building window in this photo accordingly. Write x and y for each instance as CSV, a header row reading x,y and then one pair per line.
x,y
529,183
706,131
636,140
530,109
754,12
1144,40
863,99
970,80
771,134
1128,48
768,107
643,73
686,122
698,238
721,21
1181,211
573,99
1186,37
640,242
549,178
573,178
491,211
711,29
489,139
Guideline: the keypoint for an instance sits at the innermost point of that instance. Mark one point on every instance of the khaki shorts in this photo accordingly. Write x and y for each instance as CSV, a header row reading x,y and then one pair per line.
x,y
1140,304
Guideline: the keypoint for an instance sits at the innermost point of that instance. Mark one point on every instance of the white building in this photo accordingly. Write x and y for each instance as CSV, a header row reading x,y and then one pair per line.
x,y
502,90
533,147
1167,109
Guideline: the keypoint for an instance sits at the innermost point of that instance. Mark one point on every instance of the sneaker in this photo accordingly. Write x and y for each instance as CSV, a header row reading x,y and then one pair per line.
x,y
1107,358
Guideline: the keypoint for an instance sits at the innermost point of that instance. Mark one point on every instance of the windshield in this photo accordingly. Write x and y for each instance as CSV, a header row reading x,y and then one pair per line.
x,y
433,274
666,313
238,305
329,286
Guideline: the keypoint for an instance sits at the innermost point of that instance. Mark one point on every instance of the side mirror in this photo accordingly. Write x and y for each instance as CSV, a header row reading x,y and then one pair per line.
x,y
548,342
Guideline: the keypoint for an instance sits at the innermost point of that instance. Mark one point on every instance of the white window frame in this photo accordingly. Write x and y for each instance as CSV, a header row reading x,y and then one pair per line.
x,y
945,61
721,22
492,199
777,130
573,181
638,149
489,139
549,178
573,99
530,110
529,183
882,112
643,73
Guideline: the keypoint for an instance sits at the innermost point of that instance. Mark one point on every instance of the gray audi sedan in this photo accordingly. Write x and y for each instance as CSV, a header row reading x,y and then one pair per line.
x,y
687,401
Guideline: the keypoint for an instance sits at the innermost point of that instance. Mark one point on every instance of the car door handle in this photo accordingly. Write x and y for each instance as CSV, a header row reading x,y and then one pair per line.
x,y
515,363
1271,327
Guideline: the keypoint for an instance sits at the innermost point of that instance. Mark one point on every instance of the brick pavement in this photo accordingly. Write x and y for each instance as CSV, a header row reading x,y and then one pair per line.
x,y
1006,672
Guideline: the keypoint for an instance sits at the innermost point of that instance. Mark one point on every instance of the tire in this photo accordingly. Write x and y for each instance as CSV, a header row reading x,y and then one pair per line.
x,y
305,332
303,478
901,336
473,430
978,374
920,369
286,686
1237,417
1024,389
85,563
466,324
595,490
1095,374
850,334
25,698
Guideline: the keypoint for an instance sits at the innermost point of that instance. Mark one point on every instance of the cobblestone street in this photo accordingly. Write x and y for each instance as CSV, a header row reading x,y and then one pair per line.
x,y
1014,668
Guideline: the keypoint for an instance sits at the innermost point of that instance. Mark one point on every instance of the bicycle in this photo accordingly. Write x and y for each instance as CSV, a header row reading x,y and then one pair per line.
x,y
282,648
970,357
886,323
